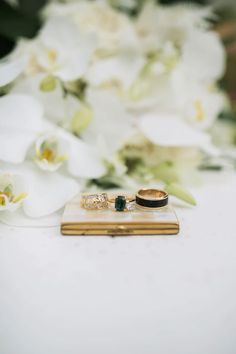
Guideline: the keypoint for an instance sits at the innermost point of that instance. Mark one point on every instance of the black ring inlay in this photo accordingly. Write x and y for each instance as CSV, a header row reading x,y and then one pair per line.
x,y
152,203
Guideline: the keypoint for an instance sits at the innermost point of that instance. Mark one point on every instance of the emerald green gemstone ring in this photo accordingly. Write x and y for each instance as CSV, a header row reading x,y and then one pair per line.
x,y
122,203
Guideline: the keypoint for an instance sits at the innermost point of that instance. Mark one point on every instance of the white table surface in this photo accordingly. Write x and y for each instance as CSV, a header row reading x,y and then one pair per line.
x,y
124,295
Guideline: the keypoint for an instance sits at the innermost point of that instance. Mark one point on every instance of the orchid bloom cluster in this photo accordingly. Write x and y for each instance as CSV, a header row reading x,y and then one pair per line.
x,y
101,97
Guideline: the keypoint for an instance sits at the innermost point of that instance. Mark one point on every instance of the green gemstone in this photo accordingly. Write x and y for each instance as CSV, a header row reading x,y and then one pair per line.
x,y
120,203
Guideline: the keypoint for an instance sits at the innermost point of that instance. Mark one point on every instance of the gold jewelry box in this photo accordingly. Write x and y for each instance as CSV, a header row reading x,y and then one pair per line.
x,y
79,221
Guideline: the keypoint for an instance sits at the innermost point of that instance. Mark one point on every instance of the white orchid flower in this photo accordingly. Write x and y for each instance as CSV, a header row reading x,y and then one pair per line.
x,y
153,82
62,50
114,30
67,111
104,116
20,123
81,159
203,108
169,130
199,104
46,192
58,108
59,50
157,24
13,191
50,152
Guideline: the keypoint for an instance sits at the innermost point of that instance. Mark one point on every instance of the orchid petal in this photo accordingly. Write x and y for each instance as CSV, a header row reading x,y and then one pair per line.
x,y
48,192
83,160
112,28
111,121
57,107
10,70
169,130
20,122
77,64
70,50
123,68
204,56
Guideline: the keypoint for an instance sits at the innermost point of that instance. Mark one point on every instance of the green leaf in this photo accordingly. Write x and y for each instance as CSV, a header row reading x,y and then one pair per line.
x,y
166,171
180,192
6,46
15,24
31,6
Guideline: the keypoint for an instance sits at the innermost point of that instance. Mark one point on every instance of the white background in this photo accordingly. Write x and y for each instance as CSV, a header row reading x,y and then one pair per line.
x,y
124,295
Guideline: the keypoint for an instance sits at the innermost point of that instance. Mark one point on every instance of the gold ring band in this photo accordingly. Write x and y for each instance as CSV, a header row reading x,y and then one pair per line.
x,y
151,198
94,201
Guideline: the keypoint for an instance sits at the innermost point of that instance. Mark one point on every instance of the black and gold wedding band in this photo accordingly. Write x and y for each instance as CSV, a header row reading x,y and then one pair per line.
x,y
151,198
